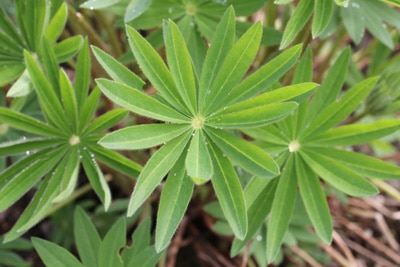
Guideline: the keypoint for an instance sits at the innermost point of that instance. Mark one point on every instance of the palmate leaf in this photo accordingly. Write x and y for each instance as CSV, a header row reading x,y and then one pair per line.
x,y
354,134
139,102
282,208
96,178
116,70
174,200
229,192
86,238
114,240
180,64
155,170
336,112
299,18
250,157
323,12
21,176
198,160
256,212
314,200
54,255
27,144
252,117
265,76
362,164
39,205
337,174
143,136
155,69
235,65
220,46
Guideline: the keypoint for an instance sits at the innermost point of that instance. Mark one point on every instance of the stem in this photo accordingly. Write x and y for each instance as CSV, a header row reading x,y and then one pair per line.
x,y
335,47
387,188
79,24
114,41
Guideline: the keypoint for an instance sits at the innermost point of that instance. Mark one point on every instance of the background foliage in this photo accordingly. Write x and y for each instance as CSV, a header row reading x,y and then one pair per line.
x,y
136,133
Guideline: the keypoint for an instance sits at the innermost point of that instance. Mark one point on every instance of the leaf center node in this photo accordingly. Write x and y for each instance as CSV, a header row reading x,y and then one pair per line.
x,y
191,9
294,146
198,122
74,140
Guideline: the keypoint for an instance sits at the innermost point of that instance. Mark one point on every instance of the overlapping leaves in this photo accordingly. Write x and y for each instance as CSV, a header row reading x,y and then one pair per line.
x,y
33,25
307,145
200,108
64,141
356,16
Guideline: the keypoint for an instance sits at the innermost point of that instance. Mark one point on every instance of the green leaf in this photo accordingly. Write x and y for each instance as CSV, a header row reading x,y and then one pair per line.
x,y
229,192
297,21
180,64
49,101
314,200
265,76
89,108
22,87
250,157
106,121
9,258
287,93
116,161
143,136
337,111
139,102
257,211
69,100
235,65
352,22
338,174
331,85
116,70
362,164
282,208
57,24
323,13
86,238
28,124
70,175
96,178
24,174
54,255
50,65
155,170
67,48
147,257
252,117
356,133
108,255
174,200
82,76
40,204
155,69
393,2
198,160
9,29
141,236
26,145
10,73
220,46
98,4
194,42
136,8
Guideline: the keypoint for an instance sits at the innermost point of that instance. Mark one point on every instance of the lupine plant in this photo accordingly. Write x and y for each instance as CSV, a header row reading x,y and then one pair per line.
x,y
171,109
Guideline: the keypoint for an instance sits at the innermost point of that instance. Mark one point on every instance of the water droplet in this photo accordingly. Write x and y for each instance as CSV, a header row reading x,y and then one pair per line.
x,y
208,92
355,5
91,7
174,173
170,10
259,238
